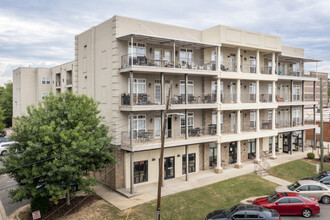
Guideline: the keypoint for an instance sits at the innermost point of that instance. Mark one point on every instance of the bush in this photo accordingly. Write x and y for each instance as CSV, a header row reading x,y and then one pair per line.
x,y
310,155
40,203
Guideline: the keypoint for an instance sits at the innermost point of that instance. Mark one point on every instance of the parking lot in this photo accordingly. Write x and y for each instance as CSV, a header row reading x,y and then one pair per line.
x,y
324,214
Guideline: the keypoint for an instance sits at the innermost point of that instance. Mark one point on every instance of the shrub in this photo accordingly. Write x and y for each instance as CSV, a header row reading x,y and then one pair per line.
x,y
40,203
310,155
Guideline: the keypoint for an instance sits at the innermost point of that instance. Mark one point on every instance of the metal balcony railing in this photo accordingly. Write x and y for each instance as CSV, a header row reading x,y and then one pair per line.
x,y
228,129
248,98
69,81
266,124
251,126
228,98
266,98
58,83
266,70
194,98
138,99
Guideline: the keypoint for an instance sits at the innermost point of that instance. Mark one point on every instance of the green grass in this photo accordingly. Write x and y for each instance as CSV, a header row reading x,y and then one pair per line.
x,y
295,170
197,203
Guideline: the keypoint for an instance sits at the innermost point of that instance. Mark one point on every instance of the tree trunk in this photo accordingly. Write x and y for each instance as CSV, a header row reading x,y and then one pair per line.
x,y
68,197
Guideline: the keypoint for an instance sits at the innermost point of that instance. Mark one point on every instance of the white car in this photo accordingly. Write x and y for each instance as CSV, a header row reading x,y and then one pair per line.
x,y
3,147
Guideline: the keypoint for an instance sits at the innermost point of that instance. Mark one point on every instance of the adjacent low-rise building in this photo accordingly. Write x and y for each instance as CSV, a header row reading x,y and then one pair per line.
x,y
235,95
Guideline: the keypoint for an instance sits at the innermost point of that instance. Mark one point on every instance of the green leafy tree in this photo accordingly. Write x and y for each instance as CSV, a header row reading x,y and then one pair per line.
x,y
6,103
2,126
79,143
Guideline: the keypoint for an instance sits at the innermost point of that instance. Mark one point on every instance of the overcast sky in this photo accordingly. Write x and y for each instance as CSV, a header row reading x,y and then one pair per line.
x,y
41,32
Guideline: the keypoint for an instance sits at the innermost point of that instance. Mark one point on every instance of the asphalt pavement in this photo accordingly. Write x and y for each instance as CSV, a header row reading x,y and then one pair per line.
x,y
5,181
323,215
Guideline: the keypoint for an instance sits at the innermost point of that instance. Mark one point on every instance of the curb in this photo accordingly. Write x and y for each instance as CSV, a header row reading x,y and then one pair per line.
x,y
3,215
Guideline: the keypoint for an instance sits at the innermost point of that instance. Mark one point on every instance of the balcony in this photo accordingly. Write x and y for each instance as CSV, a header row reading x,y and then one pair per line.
x,y
228,98
172,135
138,99
194,99
266,98
69,82
228,129
248,98
58,83
249,127
266,70
282,124
266,124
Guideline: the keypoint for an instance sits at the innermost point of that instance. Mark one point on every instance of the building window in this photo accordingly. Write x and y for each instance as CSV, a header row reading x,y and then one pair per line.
x,y
43,95
296,92
141,171
139,49
252,119
191,162
190,122
253,64
45,80
139,126
212,155
186,57
252,91
251,149
190,87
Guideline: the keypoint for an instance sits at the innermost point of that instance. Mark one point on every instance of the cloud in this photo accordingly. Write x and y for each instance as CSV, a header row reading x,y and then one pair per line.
x,y
42,32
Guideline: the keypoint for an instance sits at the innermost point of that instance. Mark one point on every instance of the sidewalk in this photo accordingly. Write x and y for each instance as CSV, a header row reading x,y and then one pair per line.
x,y
148,192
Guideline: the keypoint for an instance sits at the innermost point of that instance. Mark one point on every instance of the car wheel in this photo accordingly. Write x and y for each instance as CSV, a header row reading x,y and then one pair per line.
x,y
306,213
325,199
3,153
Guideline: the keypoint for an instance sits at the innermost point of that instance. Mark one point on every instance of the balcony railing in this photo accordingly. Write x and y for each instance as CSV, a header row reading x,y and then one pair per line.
x,y
266,124
248,98
228,98
266,98
228,66
152,136
266,70
194,99
251,126
228,129
69,81
282,124
138,99
248,68
58,83
181,63
296,122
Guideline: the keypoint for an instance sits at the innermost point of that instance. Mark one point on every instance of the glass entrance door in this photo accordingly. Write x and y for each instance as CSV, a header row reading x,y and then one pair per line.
x,y
286,142
232,152
169,167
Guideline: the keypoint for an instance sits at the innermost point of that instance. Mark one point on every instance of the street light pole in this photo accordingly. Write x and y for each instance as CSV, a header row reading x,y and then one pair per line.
x,y
160,179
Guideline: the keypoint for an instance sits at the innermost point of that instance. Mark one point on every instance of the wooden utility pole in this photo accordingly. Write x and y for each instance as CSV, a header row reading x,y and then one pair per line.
x,y
160,179
321,125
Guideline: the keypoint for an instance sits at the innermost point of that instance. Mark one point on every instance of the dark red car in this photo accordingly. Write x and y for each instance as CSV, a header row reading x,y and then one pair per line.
x,y
290,203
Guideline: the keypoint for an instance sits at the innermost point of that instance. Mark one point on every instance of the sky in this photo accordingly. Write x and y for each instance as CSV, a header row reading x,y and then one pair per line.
x,y
40,33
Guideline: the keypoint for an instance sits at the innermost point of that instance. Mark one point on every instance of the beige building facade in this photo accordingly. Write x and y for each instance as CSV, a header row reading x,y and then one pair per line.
x,y
235,96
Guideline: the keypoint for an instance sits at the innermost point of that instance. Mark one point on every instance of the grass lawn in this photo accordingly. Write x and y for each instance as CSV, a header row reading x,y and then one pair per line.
x,y
295,170
197,203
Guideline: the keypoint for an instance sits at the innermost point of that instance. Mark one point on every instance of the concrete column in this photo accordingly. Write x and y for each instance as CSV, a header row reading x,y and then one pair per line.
x,y
219,58
258,120
257,160
290,143
174,54
186,88
238,91
258,62
187,163
273,148
218,169
162,88
161,135
238,121
291,90
186,127
302,140
238,60
274,92
218,92
257,92
314,114
303,91
303,115
291,116
273,119
132,172
314,139
314,90
273,63
131,87
238,164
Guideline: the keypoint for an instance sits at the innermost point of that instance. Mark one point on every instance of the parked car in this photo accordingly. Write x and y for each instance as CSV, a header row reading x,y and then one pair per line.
x,y
4,139
323,177
308,188
244,212
3,147
290,203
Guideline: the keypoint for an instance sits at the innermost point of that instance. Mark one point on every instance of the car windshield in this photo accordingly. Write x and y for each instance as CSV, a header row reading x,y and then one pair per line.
x,y
272,198
230,211
318,177
305,197
293,186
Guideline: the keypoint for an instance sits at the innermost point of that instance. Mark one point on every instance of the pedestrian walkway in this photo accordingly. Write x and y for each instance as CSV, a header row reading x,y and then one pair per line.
x,y
276,180
124,200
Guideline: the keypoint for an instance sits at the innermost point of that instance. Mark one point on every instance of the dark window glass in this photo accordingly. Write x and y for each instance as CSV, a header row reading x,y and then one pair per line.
x,y
141,171
295,200
191,162
252,215
327,179
283,201
239,216
315,188
303,188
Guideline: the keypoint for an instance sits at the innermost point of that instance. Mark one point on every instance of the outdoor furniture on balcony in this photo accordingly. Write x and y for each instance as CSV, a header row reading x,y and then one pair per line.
x,y
138,99
265,97
194,132
279,99
212,129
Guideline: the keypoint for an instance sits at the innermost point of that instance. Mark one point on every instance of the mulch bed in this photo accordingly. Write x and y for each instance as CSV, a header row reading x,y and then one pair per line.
x,y
315,160
26,214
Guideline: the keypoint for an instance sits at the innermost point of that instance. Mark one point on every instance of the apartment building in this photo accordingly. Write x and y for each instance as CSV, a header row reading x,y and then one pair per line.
x,y
235,95
309,86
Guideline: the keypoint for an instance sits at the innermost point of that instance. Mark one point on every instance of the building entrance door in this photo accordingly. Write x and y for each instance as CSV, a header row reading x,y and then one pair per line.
x,y
232,152
169,167
286,142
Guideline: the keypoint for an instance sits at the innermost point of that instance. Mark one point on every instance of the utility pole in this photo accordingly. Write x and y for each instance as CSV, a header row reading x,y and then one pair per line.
x,y
321,125
160,179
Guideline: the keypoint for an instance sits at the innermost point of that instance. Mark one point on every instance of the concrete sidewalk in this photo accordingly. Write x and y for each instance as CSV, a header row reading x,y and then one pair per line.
x,y
276,180
148,192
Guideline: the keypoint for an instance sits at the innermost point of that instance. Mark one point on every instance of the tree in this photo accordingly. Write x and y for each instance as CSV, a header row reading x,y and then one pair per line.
x,y
61,140
2,126
6,103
